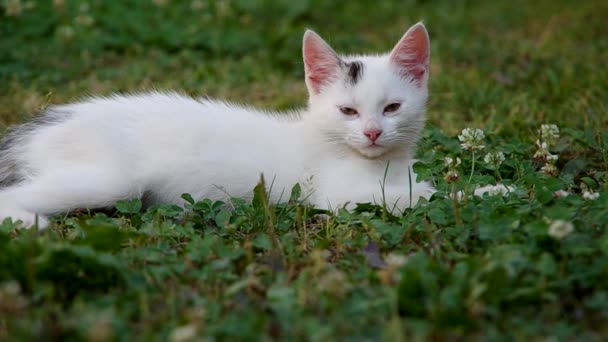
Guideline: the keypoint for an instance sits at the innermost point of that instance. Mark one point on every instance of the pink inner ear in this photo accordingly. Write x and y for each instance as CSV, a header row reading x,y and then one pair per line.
x,y
320,61
411,54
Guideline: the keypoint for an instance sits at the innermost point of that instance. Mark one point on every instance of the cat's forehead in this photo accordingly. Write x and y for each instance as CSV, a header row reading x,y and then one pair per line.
x,y
357,66
370,76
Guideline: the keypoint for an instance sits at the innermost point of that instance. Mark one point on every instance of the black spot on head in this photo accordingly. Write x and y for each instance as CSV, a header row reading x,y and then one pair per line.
x,y
354,71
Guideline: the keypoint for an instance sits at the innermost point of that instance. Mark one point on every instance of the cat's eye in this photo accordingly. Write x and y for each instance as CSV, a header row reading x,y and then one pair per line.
x,y
348,111
393,107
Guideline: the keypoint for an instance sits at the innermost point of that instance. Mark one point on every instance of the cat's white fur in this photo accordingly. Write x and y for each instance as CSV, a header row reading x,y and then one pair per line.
x,y
157,146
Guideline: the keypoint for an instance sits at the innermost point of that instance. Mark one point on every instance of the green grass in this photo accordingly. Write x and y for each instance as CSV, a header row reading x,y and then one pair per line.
x,y
483,268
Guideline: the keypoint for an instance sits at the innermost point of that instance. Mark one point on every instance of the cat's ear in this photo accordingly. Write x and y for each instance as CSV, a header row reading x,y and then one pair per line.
x,y
321,63
411,54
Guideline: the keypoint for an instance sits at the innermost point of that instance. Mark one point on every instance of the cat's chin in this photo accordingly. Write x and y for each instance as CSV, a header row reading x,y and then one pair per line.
x,y
372,151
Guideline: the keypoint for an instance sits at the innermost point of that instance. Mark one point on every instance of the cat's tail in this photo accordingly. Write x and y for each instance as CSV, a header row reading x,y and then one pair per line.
x,y
12,145
9,169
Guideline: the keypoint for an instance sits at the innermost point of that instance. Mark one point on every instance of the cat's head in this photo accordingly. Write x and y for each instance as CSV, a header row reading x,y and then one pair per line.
x,y
372,103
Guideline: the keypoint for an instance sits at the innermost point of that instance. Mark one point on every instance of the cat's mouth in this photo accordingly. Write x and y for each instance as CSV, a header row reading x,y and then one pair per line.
x,y
373,150
369,149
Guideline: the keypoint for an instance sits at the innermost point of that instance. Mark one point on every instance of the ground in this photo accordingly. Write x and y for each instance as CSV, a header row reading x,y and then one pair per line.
x,y
533,264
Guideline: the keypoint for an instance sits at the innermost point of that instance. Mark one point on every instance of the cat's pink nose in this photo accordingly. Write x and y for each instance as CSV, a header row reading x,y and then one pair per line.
x,y
373,134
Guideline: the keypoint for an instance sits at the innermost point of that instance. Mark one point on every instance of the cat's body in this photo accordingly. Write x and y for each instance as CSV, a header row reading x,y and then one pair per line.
x,y
364,114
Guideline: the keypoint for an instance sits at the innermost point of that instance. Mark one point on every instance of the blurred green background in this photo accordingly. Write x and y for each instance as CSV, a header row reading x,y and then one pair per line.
x,y
501,65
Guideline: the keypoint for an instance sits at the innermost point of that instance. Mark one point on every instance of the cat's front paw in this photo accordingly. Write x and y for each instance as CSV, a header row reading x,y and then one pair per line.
x,y
24,219
493,190
490,190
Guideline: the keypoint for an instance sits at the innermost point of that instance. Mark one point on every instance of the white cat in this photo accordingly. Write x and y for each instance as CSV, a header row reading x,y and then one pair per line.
x,y
363,112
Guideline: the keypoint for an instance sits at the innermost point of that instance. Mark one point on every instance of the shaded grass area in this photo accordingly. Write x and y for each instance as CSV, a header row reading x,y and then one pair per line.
x,y
482,269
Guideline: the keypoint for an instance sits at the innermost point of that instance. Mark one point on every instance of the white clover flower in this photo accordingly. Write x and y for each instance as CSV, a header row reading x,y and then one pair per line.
x,y
472,139
183,333
590,195
396,260
11,296
550,170
549,132
450,162
551,157
13,8
84,20
543,154
560,228
494,190
542,145
452,176
494,159
540,154
66,32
